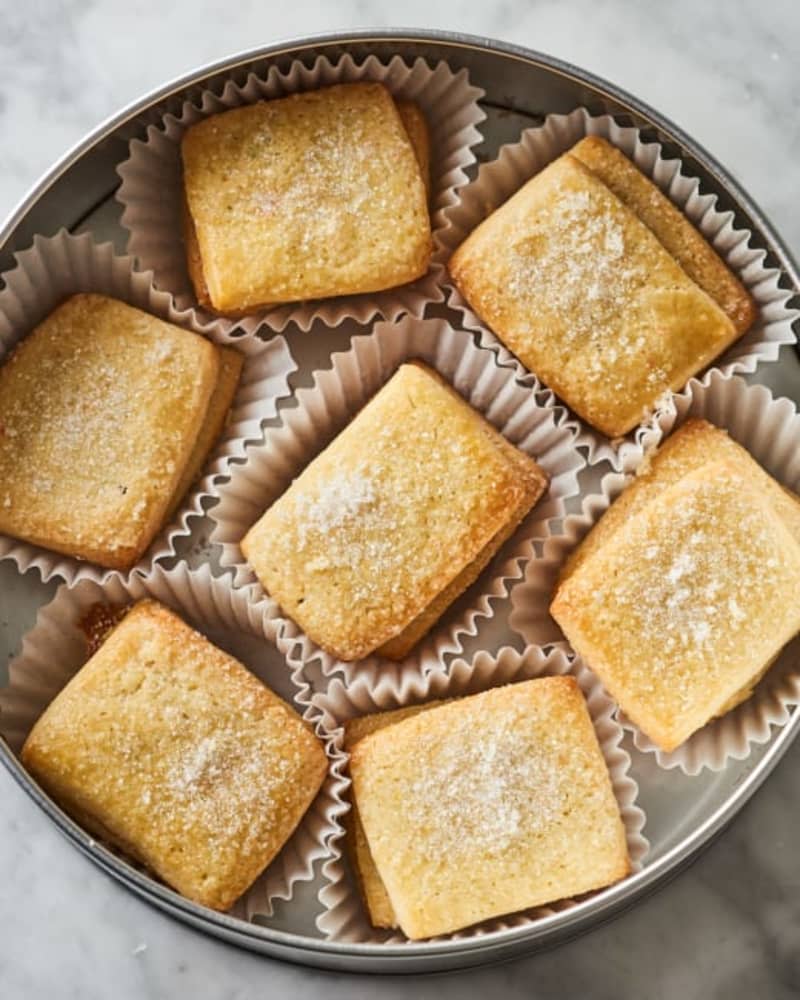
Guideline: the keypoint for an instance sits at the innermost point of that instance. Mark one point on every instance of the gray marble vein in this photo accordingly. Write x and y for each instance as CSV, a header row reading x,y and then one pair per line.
x,y
727,72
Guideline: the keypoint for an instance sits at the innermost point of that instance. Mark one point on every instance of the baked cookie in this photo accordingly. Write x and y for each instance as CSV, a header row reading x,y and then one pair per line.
x,y
683,594
106,416
313,195
578,286
393,520
487,805
169,749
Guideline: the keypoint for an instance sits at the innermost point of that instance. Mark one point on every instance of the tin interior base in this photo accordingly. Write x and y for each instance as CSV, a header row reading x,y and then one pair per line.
x,y
683,813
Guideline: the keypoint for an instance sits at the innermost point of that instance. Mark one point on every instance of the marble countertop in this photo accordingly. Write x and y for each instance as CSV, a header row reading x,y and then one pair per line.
x,y
725,71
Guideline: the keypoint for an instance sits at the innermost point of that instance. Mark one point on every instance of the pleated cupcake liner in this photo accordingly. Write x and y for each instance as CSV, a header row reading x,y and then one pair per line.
x,y
769,428
344,917
56,267
327,406
235,620
151,191
517,162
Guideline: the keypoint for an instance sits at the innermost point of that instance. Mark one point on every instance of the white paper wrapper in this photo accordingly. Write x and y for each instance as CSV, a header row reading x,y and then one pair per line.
x,y
530,614
345,918
54,268
55,649
770,430
327,407
151,189
518,162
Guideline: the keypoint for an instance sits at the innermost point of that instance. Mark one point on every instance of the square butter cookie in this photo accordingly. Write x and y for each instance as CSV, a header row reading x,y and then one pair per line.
x,y
169,749
682,595
393,520
106,416
574,282
487,805
309,196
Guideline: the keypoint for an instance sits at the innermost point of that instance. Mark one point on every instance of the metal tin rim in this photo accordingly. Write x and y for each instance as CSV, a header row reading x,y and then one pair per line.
x,y
499,944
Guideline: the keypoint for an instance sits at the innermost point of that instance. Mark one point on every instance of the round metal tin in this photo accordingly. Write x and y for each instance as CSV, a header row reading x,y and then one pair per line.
x,y
521,86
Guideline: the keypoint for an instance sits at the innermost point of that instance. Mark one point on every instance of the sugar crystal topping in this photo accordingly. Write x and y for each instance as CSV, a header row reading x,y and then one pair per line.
x,y
222,781
494,778
409,493
348,521
485,788
575,259
291,198
73,412
414,502
330,175
192,758
580,269
697,558
178,754
339,500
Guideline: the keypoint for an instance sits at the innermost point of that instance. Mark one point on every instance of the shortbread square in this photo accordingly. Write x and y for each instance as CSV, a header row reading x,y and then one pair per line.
x,y
393,520
578,287
487,805
684,599
313,195
101,408
169,749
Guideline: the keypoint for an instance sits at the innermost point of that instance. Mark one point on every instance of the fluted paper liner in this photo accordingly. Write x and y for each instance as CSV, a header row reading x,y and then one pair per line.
x,y
55,649
151,189
344,917
325,408
769,429
54,268
518,162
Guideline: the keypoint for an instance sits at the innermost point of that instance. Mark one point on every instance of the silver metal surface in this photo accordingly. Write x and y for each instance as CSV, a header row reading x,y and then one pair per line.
x,y
683,813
